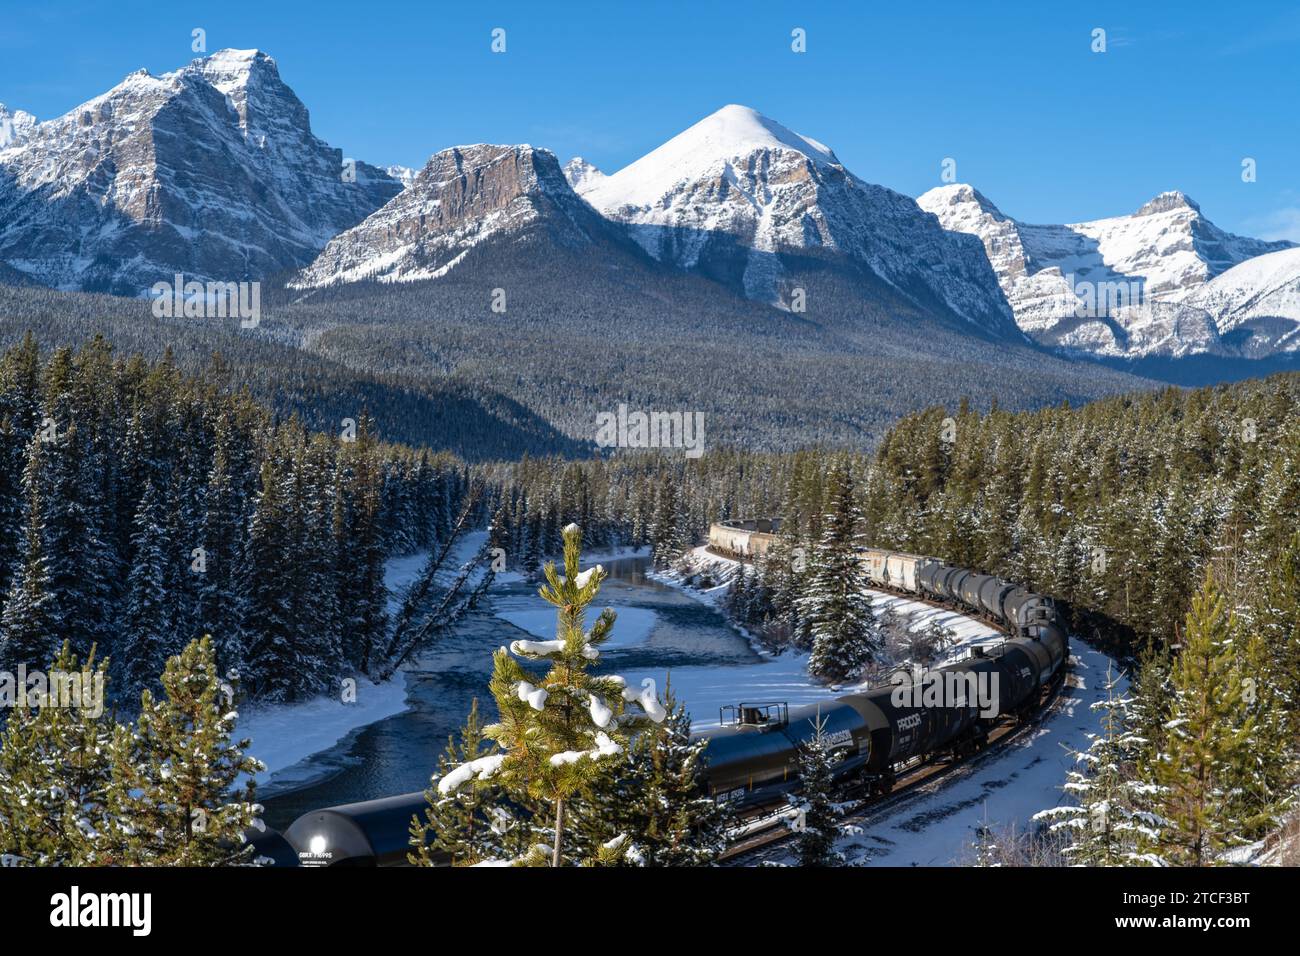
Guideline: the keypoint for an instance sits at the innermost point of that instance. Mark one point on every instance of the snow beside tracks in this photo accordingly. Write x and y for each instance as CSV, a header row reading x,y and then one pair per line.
x,y
937,825
784,676
1002,791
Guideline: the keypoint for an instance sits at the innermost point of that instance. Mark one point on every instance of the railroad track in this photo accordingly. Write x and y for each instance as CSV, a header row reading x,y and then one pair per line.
x,y
909,785
772,830
768,830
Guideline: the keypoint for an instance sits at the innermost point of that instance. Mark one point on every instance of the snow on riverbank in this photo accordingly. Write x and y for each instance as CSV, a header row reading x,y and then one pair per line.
x,y
784,676
285,735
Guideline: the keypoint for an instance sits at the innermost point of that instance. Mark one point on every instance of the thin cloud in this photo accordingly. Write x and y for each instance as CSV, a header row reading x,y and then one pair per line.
x,y
1282,223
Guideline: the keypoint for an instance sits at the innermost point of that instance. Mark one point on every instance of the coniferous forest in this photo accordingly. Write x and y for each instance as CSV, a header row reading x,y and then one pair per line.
x,y
648,438
146,508
143,508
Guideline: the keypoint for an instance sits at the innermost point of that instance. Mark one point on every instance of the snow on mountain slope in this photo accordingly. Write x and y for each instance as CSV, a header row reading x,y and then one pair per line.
x,y
739,194
211,171
1258,300
463,197
403,174
1109,285
582,175
15,126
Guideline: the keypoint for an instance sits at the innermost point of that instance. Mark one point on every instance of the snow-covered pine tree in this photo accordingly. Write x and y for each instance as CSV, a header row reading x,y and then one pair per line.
x,y
817,824
222,599
1111,819
1278,619
55,774
19,400
271,654
363,594
1209,732
654,798
174,772
28,629
555,730
1268,774
321,621
738,595
147,626
531,550
471,822
846,637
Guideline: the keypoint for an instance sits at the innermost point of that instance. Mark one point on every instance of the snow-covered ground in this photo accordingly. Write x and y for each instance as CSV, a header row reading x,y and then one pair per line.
x,y
1003,791
784,676
285,735
938,824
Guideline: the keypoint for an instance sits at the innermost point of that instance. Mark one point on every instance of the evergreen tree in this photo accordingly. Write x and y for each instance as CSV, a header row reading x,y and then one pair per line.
x,y
844,631
222,606
1209,731
1112,819
363,595
1268,774
470,823
147,626
1278,619
28,629
55,771
654,797
554,733
174,772
274,659
817,823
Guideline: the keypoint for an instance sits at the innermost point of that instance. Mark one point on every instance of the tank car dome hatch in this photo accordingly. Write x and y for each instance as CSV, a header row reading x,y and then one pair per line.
x,y
371,833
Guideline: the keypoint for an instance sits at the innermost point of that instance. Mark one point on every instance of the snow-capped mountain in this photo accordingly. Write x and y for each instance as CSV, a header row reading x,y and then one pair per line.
x,y
1255,305
15,126
403,174
211,171
740,197
463,197
1110,285
582,175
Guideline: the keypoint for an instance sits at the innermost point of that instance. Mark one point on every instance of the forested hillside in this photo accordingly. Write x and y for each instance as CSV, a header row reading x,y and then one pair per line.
x,y
839,372
429,409
141,508
1117,507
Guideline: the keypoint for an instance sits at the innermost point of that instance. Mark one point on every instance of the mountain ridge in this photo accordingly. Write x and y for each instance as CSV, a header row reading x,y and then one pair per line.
x,y
112,196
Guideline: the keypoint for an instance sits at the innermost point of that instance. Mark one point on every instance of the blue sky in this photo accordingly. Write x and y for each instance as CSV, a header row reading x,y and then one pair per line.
x,y
1046,128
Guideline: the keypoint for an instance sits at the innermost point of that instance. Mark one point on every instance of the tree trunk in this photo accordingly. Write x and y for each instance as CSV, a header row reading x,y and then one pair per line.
x,y
559,832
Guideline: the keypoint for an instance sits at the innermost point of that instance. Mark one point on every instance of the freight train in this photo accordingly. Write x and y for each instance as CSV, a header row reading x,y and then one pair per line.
x,y
880,732
751,757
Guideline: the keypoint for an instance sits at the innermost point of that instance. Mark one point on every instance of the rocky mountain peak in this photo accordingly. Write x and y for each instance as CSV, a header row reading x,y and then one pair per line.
x,y
462,198
15,126
1167,202
582,175
1123,285
738,196
211,170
